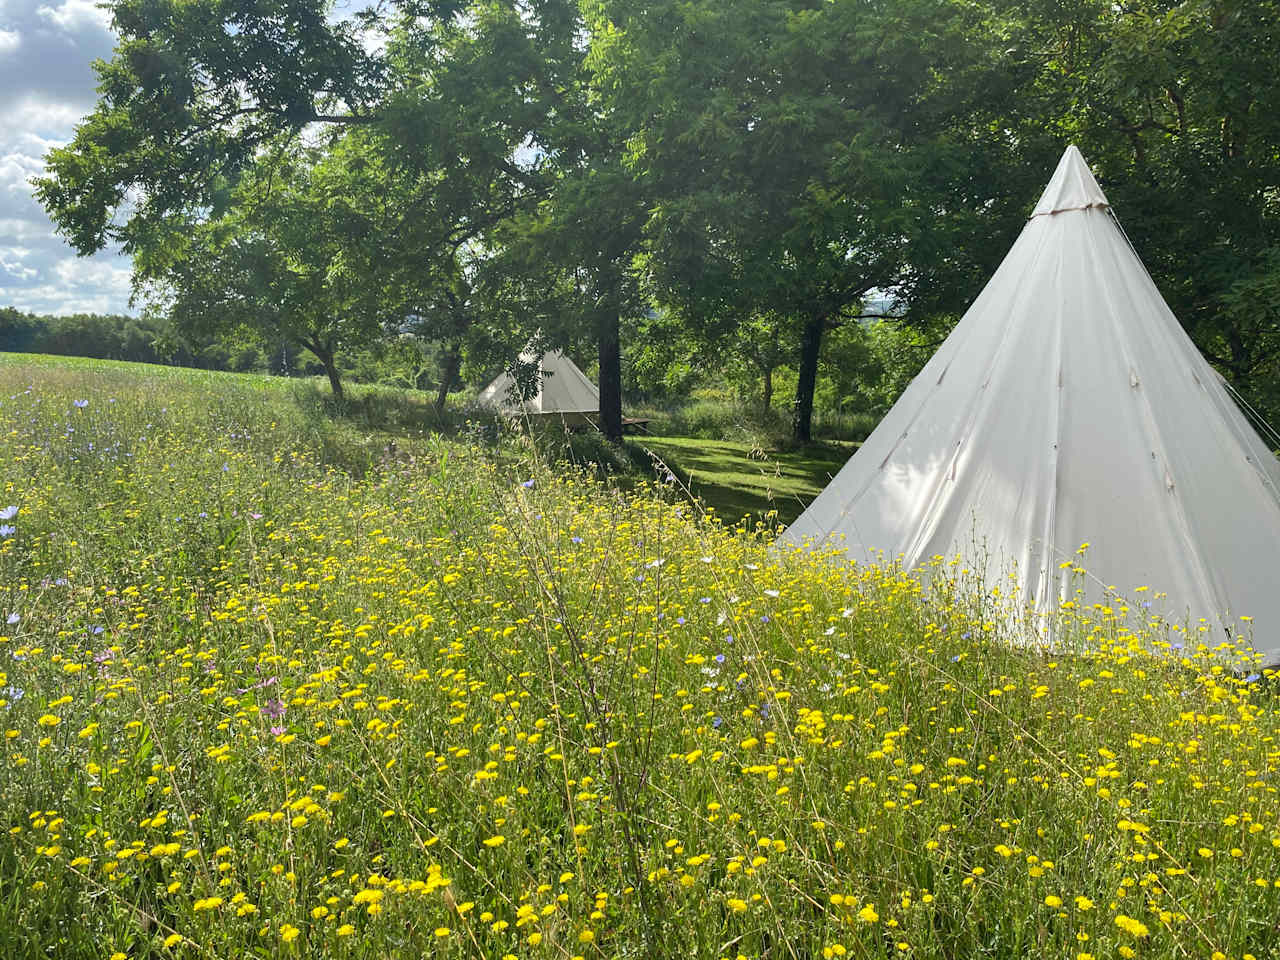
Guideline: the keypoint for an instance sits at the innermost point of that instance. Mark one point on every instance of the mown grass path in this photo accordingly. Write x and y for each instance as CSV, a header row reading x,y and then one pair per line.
x,y
739,480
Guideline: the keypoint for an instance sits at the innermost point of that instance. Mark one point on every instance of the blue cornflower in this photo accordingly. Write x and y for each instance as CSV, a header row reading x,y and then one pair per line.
x,y
719,658
82,404
575,539
1253,678
7,530
8,513
13,618
717,721
528,484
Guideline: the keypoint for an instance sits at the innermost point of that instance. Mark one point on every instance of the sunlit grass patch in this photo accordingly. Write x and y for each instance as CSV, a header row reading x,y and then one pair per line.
x,y
738,479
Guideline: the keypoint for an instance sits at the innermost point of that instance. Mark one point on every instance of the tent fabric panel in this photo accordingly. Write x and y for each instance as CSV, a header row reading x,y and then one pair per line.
x,y
565,388
562,388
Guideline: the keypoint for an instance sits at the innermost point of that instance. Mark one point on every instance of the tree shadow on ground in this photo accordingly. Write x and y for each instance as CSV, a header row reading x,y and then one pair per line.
x,y
738,480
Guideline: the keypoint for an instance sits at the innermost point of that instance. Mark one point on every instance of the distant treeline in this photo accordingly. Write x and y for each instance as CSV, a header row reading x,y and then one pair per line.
x,y
141,339
151,339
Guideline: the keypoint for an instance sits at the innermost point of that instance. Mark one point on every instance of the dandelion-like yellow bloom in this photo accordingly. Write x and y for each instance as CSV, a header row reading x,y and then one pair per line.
x,y
1132,926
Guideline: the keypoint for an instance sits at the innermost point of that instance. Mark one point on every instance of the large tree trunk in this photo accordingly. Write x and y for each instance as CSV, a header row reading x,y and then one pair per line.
x,y
325,355
452,364
768,389
810,349
610,377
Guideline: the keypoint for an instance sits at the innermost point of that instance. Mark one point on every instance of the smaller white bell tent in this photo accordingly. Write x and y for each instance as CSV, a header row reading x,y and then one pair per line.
x,y
1069,406
560,390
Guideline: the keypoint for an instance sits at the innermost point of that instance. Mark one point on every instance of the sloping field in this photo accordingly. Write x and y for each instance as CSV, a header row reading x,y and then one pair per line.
x,y
257,705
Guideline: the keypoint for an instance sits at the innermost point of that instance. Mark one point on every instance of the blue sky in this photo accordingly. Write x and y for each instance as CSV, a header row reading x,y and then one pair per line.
x,y
46,87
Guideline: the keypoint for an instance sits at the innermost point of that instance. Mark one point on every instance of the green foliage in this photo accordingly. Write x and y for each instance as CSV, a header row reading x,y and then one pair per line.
x,y
796,156
290,262
192,93
139,339
1170,102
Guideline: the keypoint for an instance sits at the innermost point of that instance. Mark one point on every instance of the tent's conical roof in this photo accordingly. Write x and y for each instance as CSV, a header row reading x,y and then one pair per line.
x,y
1072,187
561,388
1068,406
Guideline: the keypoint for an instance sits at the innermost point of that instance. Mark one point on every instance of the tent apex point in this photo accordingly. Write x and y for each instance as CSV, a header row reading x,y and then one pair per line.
x,y
1072,187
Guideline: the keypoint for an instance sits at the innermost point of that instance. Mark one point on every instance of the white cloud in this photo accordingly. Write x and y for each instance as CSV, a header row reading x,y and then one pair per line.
x,y
11,263
35,116
76,16
26,231
16,171
46,88
102,272
74,285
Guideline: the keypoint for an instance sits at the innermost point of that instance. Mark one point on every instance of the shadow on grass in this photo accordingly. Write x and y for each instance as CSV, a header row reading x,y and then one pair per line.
x,y
392,410
740,481
734,478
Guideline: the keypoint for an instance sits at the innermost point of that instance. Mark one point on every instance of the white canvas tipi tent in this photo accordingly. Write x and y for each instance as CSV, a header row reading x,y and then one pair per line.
x,y
1068,406
562,390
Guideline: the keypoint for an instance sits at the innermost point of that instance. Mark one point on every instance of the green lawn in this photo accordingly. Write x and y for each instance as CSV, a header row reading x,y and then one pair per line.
x,y
737,480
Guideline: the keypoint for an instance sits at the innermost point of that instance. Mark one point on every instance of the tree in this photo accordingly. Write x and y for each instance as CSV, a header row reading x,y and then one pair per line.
x,y
575,254
291,261
783,144
192,95
1173,104
197,94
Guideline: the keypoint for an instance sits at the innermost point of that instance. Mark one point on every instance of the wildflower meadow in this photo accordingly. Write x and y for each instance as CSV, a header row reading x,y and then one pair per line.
x,y
451,701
